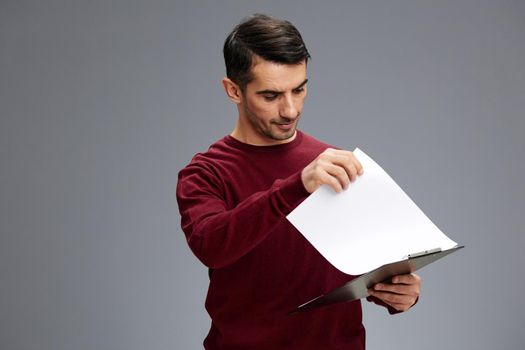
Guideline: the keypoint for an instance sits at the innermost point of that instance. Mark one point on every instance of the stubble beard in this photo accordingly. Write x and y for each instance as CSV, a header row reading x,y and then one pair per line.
x,y
282,135
268,130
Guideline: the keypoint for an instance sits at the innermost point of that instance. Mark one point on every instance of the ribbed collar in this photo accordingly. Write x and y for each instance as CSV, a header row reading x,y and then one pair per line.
x,y
233,142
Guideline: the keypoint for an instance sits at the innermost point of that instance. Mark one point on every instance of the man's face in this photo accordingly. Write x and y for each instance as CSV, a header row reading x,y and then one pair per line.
x,y
272,102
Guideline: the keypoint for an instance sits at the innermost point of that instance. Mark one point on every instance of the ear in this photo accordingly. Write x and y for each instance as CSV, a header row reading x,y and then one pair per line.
x,y
232,90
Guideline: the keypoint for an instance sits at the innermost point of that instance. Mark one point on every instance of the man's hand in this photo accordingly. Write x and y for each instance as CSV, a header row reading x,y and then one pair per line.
x,y
335,168
401,293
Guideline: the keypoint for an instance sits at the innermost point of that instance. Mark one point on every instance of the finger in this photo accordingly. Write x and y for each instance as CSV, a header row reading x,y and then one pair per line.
x,y
338,172
345,161
332,181
357,163
351,170
400,307
393,298
352,158
410,278
402,289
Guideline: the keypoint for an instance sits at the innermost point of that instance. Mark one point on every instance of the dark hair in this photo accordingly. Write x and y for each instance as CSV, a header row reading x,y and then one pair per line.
x,y
270,38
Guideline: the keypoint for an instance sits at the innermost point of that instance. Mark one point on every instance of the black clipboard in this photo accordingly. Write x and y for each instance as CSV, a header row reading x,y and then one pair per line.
x,y
358,287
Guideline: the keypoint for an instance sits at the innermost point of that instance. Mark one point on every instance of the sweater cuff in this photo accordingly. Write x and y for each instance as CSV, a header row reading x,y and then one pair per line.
x,y
293,192
391,310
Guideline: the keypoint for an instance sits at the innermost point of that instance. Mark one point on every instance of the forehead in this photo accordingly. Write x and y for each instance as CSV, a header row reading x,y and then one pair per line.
x,y
276,76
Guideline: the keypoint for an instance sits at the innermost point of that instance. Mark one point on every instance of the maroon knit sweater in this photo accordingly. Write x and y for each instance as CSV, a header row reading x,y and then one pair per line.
x,y
233,200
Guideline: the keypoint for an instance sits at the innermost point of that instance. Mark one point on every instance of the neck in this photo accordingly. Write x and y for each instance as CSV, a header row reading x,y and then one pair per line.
x,y
240,134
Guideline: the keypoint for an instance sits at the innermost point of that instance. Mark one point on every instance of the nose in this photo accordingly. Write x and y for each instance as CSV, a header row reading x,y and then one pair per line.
x,y
288,109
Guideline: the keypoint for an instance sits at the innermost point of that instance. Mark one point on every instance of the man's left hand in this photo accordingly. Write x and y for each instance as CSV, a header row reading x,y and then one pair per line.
x,y
401,293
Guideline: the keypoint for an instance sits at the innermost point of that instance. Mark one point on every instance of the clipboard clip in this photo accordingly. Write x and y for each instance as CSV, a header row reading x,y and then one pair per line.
x,y
424,252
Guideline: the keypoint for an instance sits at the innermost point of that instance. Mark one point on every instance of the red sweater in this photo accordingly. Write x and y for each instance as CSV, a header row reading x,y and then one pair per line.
x,y
233,200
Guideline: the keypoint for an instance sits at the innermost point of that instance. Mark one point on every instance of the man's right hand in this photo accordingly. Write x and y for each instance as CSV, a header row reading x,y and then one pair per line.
x,y
335,168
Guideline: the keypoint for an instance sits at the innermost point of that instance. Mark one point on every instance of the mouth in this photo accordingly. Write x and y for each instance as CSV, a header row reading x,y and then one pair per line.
x,y
285,126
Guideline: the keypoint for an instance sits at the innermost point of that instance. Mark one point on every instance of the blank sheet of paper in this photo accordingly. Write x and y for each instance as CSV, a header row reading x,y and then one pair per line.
x,y
372,223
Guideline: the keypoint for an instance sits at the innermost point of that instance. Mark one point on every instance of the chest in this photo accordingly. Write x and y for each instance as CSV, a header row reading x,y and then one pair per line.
x,y
246,176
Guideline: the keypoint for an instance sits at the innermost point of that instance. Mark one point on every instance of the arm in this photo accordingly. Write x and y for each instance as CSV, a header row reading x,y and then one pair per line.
x,y
218,235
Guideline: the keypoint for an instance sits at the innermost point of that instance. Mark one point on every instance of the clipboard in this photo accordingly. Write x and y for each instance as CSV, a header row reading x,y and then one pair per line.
x,y
358,287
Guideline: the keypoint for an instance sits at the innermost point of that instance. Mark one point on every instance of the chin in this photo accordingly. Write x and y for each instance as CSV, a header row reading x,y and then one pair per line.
x,y
283,135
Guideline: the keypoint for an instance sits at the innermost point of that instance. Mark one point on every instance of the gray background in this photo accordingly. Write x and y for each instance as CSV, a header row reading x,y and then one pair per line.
x,y
102,102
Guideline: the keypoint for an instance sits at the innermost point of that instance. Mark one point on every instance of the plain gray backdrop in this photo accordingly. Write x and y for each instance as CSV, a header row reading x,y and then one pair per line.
x,y
102,102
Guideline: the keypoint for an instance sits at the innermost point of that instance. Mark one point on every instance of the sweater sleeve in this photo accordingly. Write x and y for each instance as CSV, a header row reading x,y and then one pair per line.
x,y
218,235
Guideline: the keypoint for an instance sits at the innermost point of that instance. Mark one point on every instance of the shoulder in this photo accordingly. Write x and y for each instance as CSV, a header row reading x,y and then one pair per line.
x,y
310,140
207,161
202,175
312,144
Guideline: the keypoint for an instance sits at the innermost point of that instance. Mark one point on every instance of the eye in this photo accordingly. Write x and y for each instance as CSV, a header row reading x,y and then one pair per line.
x,y
270,97
298,91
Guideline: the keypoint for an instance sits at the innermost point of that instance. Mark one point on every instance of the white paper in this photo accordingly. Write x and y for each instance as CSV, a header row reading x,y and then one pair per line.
x,y
372,223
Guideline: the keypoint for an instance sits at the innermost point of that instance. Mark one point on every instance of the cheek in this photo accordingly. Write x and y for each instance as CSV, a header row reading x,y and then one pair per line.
x,y
263,111
299,103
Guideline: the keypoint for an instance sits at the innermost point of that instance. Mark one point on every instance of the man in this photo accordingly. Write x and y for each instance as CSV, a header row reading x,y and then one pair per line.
x,y
234,198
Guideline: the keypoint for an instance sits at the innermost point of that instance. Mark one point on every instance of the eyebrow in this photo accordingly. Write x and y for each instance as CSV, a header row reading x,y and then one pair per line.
x,y
262,92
